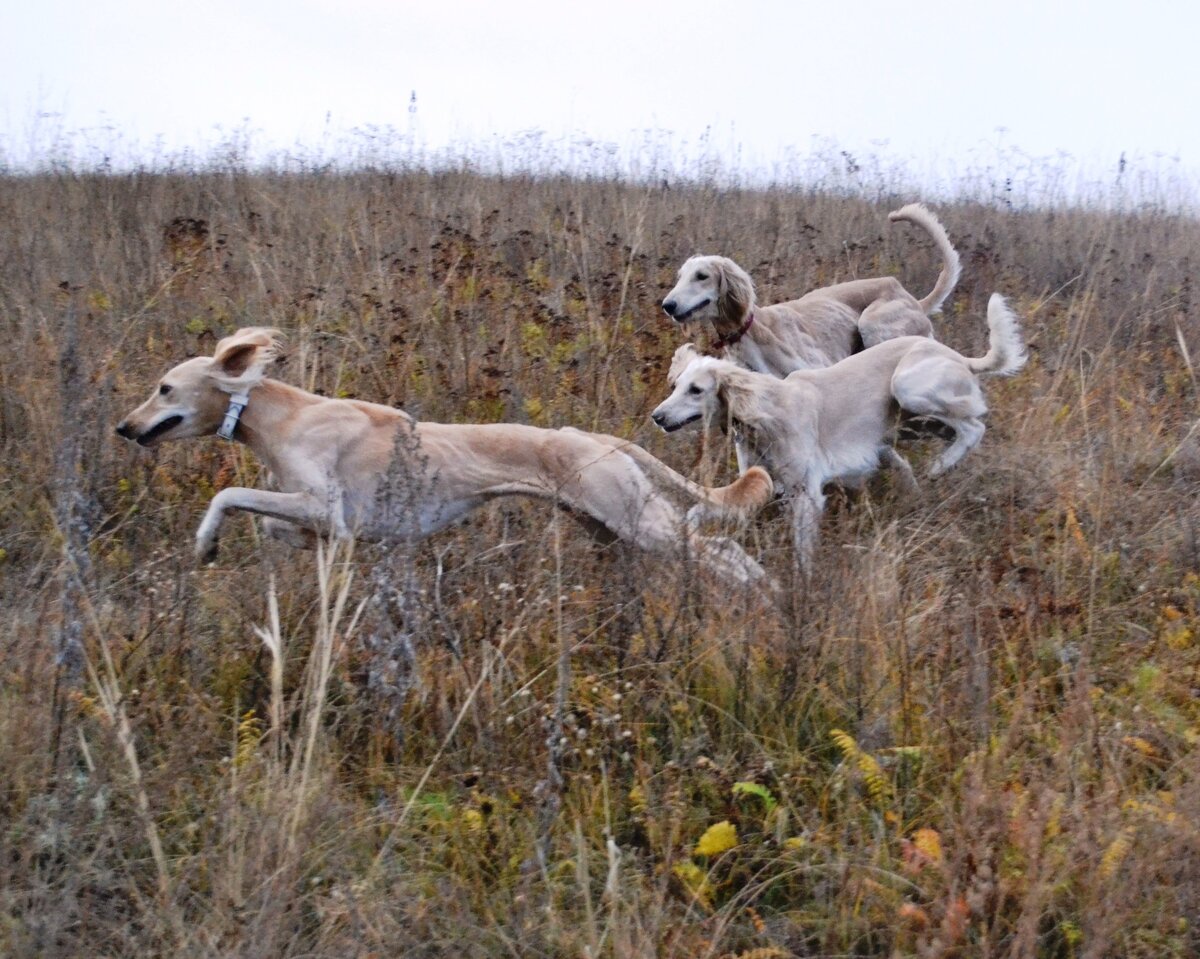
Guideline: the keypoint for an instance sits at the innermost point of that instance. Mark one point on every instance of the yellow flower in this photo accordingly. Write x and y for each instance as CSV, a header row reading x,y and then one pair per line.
x,y
929,843
717,838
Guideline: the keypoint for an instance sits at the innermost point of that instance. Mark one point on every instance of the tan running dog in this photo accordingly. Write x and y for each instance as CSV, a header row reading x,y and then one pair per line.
x,y
837,424
819,329
329,457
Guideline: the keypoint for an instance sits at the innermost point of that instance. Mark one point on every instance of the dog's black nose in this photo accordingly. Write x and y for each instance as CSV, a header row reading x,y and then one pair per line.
x,y
669,307
658,418
125,430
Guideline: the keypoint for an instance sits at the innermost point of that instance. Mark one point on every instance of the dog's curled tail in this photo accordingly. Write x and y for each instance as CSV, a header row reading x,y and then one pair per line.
x,y
1006,351
745,496
951,268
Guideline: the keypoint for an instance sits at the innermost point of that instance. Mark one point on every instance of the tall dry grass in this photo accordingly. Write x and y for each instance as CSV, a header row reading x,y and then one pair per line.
x,y
972,733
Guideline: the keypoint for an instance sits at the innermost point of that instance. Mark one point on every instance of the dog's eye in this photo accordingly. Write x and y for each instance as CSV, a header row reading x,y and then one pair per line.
x,y
695,390
701,276
164,390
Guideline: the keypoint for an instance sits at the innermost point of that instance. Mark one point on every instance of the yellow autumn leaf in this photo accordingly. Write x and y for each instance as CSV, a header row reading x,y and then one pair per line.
x,y
637,799
795,842
1143,746
872,773
249,733
1178,637
1110,862
929,842
695,880
718,838
472,819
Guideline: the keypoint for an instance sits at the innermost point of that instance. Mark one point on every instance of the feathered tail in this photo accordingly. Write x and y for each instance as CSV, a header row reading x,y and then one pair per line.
x,y
1006,351
921,215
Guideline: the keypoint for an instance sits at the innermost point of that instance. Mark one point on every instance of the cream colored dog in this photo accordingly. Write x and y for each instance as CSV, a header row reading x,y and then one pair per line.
x,y
820,328
837,424
329,458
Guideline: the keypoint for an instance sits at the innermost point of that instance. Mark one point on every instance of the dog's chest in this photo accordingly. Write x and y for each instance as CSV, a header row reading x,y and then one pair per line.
x,y
798,465
848,462
771,455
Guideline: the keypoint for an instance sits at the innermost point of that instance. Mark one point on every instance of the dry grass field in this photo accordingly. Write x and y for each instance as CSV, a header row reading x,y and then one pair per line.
x,y
973,733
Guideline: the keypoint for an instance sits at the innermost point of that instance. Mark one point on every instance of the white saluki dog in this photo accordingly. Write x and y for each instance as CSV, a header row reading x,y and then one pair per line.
x,y
836,424
820,328
329,457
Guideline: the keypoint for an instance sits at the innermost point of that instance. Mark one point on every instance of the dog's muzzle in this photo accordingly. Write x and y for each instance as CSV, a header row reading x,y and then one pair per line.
x,y
671,308
663,422
124,429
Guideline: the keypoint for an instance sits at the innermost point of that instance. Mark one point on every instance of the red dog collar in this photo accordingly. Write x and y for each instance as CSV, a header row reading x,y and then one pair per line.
x,y
727,341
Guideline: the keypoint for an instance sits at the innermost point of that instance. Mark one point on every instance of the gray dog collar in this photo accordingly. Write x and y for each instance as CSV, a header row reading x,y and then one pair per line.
x,y
237,403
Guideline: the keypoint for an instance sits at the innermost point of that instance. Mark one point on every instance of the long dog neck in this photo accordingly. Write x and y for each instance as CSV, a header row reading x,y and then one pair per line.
x,y
760,408
263,422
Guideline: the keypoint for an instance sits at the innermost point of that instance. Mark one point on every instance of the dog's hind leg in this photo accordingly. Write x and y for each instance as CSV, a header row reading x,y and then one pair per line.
x,y
656,525
663,531
728,560
968,433
905,480
946,391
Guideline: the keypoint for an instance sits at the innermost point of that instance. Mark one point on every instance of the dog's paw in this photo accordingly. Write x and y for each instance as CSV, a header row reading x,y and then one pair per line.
x,y
907,486
206,550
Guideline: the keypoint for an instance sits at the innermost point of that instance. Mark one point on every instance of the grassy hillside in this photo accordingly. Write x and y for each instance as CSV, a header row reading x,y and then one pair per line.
x,y
972,734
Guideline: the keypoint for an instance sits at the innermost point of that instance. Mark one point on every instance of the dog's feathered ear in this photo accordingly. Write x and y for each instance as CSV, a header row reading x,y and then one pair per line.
x,y
246,350
735,290
679,362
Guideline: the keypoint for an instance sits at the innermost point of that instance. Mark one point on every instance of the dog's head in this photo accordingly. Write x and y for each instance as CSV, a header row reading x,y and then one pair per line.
x,y
191,399
695,390
708,288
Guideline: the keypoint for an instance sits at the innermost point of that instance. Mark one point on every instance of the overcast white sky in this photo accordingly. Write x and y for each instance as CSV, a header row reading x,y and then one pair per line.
x,y
921,81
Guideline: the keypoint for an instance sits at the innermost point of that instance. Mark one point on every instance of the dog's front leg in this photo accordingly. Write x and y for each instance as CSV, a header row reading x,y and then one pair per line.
x,y
806,527
302,509
740,450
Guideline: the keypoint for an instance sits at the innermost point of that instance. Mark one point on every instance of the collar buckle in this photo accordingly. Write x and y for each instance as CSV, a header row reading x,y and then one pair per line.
x,y
237,403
